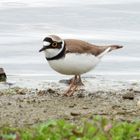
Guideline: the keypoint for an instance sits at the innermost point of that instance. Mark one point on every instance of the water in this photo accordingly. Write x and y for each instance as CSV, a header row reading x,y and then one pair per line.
x,y
23,25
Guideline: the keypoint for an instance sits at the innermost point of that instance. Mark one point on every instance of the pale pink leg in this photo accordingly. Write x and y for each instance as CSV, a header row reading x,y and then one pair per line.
x,y
72,87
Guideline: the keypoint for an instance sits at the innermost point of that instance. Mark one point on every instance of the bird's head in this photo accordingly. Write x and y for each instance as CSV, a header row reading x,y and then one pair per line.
x,y
52,45
51,42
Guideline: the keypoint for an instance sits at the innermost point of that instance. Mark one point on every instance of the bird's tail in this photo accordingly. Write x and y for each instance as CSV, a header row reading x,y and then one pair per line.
x,y
114,47
107,49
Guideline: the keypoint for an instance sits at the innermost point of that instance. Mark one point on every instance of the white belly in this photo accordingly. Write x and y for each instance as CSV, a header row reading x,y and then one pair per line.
x,y
74,64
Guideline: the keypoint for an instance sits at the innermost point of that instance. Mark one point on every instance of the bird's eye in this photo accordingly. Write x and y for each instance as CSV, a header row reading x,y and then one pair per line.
x,y
54,44
45,43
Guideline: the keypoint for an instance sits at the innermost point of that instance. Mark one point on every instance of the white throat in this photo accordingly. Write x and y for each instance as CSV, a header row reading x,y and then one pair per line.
x,y
49,53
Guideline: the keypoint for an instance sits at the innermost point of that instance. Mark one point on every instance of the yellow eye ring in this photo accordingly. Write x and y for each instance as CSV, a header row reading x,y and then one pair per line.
x,y
54,44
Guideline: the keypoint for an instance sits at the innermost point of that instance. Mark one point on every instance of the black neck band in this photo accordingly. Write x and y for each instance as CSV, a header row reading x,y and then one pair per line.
x,y
58,56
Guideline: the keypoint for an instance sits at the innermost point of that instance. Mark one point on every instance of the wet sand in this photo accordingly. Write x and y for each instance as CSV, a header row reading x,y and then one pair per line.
x,y
21,105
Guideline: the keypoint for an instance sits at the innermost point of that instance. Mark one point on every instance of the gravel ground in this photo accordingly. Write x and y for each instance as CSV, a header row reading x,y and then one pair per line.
x,y
21,105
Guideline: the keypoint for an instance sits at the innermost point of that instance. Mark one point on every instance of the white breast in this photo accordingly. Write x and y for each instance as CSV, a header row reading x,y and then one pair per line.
x,y
74,64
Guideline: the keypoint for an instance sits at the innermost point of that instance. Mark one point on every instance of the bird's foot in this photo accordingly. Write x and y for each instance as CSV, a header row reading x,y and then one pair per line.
x,y
71,91
74,83
78,81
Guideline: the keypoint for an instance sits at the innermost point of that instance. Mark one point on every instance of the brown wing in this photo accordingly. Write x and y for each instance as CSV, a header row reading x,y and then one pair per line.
x,y
79,46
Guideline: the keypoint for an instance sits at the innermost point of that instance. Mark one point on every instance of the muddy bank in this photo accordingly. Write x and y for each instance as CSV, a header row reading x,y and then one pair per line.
x,y
21,106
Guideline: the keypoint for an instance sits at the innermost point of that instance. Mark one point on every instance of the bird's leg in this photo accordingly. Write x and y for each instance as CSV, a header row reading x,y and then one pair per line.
x,y
75,82
79,81
72,88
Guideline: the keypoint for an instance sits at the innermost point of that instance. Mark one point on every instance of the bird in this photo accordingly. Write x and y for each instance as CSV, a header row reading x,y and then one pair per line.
x,y
73,57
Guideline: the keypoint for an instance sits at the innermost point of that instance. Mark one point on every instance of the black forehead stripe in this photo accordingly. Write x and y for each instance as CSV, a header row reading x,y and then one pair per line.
x,y
48,39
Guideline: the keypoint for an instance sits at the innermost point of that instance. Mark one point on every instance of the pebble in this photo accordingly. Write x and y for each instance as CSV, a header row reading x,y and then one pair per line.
x,y
50,90
9,103
80,95
20,106
72,106
3,76
75,113
85,107
129,96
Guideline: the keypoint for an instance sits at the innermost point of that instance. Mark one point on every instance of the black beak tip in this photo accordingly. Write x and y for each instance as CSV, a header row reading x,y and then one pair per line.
x,y
41,50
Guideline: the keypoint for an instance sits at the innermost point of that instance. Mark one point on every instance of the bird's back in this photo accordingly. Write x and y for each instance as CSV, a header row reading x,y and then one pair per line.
x,y
79,46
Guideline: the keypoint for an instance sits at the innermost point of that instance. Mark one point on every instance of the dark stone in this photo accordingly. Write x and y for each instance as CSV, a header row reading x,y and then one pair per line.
x,y
2,75
75,113
129,96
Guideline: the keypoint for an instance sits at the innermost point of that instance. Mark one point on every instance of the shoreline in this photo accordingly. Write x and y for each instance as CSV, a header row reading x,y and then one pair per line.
x,y
29,80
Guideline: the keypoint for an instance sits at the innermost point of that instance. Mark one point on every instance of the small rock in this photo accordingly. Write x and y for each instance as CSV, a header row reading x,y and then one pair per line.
x,y
75,113
33,101
45,111
39,101
2,75
115,106
137,91
131,89
80,95
50,90
129,96
20,106
9,103
42,92
71,106
85,107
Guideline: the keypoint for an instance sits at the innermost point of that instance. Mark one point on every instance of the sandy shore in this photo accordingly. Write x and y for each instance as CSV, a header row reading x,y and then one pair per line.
x,y
28,102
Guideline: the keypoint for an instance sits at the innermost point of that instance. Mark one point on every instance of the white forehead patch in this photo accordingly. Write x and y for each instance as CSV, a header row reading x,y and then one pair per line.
x,y
46,43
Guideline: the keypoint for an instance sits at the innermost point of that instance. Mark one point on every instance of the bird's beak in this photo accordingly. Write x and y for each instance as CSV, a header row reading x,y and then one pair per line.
x,y
42,49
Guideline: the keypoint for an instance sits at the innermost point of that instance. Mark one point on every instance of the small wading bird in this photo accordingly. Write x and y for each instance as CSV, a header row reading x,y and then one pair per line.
x,y
73,57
